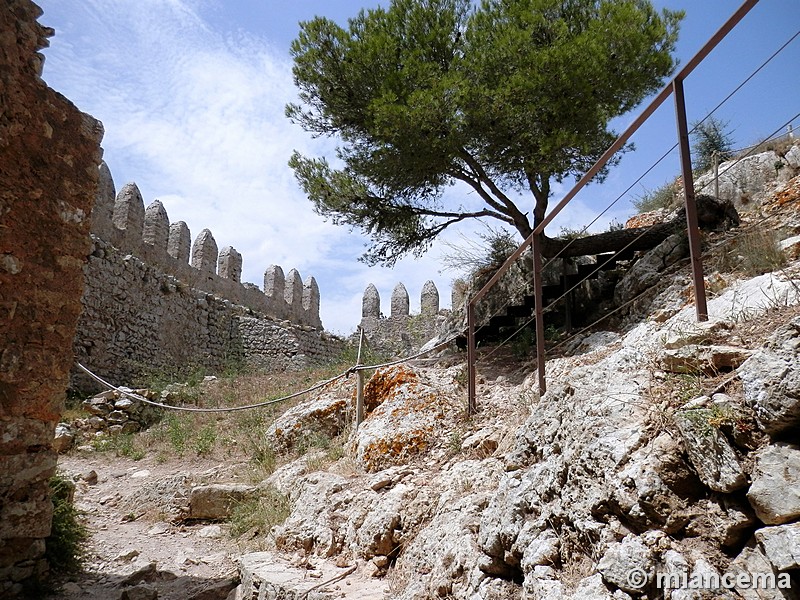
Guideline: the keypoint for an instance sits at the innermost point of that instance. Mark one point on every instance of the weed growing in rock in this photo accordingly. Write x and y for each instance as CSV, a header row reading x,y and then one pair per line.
x,y
753,253
65,546
661,197
257,517
205,440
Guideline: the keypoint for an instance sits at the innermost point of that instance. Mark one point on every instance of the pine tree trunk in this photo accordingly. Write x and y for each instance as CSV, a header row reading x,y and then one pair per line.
x,y
712,214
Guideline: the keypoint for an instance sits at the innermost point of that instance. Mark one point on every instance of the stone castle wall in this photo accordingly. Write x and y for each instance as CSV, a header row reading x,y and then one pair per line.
x,y
49,154
401,333
149,310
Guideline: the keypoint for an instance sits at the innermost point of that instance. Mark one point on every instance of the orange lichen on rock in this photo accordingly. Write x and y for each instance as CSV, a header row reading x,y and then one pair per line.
x,y
409,418
383,452
383,383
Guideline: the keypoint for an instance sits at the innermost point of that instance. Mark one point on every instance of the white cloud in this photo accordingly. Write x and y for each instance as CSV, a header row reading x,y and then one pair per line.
x,y
196,117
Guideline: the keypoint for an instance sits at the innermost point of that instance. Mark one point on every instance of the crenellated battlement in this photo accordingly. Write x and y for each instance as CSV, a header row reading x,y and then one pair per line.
x,y
122,220
401,332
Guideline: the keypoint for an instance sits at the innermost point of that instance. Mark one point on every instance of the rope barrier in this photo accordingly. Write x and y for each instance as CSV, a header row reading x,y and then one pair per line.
x,y
347,373
133,396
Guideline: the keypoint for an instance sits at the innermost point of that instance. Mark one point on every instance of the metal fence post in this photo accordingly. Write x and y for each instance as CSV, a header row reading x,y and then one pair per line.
x,y
691,207
536,250
471,371
359,385
359,398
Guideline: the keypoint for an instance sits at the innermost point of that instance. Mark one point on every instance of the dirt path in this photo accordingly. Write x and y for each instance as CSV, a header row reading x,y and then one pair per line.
x,y
138,546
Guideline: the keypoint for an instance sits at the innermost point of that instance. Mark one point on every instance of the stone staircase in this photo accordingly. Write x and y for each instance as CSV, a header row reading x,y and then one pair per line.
x,y
515,315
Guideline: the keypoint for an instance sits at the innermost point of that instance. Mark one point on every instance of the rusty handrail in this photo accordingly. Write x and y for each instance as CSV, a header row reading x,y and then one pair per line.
x,y
534,238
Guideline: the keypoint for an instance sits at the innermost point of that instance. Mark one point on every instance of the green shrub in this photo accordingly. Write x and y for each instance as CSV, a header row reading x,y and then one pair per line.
x,y
65,547
260,514
661,197
205,440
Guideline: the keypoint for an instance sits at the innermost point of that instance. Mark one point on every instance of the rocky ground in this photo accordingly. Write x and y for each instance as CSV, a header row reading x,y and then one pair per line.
x,y
663,447
136,548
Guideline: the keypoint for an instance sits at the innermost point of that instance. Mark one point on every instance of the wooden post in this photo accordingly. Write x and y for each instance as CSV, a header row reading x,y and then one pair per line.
x,y
716,174
691,207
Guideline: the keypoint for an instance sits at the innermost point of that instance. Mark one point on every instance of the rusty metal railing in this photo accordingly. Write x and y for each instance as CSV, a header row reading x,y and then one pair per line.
x,y
674,88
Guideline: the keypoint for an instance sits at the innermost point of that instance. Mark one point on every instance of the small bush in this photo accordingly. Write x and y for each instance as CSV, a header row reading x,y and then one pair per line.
x,y
661,197
753,253
260,514
711,137
66,545
205,440
487,252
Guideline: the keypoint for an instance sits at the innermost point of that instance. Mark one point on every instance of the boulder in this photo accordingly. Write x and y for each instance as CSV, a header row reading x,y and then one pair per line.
x,y
771,381
628,565
408,417
709,451
64,438
751,563
781,545
216,501
324,415
703,359
775,491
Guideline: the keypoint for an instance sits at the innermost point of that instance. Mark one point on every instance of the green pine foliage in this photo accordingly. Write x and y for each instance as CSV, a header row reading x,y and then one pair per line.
x,y
503,97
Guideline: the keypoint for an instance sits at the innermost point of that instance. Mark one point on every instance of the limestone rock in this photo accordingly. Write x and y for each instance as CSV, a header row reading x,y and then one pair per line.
x,y
593,588
710,360
771,381
628,565
139,592
781,545
324,415
751,563
775,491
711,454
647,270
746,181
64,438
215,501
265,575
407,422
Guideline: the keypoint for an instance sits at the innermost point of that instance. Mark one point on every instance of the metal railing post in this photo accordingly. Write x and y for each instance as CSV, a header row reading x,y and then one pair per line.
x,y
536,250
691,206
359,398
359,385
471,374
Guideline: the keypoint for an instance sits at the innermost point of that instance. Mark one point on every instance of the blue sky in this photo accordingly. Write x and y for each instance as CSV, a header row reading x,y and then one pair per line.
x,y
192,92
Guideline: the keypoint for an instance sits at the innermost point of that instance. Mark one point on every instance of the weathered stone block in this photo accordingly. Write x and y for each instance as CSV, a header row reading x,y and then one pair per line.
x,y
156,226
709,451
230,264
179,241
400,301
781,545
204,252
775,491
216,501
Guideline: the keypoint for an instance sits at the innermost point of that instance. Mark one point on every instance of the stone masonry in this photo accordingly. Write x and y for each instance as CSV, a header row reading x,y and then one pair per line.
x,y
49,154
149,309
401,333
